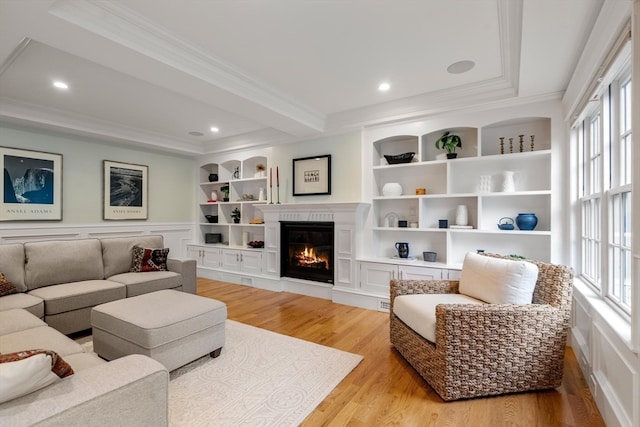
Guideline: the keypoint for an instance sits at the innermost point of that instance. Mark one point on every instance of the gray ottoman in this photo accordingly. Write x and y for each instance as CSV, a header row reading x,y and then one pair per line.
x,y
169,326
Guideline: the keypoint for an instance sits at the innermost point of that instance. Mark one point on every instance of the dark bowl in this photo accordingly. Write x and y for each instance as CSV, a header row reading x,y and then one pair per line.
x,y
399,158
212,218
256,244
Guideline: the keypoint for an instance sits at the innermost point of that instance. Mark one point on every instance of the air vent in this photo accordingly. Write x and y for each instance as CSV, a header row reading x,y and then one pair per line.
x,y
384,305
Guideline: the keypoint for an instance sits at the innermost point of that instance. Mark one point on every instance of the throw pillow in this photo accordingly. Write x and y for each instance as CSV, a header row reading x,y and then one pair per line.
x,y
498,281
26,371
146,259
6,287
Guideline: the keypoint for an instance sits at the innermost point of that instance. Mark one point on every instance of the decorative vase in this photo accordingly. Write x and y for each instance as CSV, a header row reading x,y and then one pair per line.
x,y
214,196
526,221
508,183
452,155
403,249
261,196
462,215
392,189
213,177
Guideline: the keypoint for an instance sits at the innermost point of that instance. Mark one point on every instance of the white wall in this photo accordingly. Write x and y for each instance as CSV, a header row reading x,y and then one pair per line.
x,y
346,169
171,177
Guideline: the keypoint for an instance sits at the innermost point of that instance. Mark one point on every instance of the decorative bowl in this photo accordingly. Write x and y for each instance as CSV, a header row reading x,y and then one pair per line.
x,y
399,158
212,218
256,244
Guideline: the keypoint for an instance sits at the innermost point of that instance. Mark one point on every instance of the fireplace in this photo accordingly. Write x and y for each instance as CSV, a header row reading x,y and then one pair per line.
x,y
307,250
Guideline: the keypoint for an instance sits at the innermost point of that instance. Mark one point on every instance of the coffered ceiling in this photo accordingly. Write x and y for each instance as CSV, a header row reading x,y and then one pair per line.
x,y
160,73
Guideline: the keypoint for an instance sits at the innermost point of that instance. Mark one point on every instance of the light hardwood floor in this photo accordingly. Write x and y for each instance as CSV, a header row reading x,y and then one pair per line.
x,y
383,390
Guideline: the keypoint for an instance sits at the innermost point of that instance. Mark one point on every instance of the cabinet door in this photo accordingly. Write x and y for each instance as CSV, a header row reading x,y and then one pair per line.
x,y
375,277
194,252
420,273
251,262
211,257
452,275
231,259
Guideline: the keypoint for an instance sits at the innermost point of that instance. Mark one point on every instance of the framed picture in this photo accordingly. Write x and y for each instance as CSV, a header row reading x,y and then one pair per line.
x,y
125,190
312,175
31,185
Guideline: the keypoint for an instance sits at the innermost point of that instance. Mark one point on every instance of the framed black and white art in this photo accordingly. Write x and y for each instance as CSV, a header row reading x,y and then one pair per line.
x,y
31,185
125,191
312,175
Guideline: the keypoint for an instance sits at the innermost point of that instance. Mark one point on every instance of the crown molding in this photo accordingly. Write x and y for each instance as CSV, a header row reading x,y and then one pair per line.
x,y
133,31
17,112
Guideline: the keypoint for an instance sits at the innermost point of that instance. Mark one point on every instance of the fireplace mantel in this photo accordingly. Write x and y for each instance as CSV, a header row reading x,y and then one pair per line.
x,y
348,218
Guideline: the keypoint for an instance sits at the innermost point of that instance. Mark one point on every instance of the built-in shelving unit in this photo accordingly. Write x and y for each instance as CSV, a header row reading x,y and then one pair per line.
x,y
246,184
453,182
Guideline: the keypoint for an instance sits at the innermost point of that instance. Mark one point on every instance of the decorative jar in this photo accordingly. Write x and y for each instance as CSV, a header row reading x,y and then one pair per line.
x,y
508,183
526,221
392,189
462,215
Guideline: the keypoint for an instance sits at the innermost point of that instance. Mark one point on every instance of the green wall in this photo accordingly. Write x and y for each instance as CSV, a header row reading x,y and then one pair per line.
x,y
171,177
346,167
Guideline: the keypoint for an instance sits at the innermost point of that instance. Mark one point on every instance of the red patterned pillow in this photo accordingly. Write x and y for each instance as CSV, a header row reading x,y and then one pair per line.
x,y
146,259
6,287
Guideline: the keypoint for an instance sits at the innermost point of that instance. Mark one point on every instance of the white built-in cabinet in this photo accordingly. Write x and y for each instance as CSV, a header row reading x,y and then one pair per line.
x,y
453,182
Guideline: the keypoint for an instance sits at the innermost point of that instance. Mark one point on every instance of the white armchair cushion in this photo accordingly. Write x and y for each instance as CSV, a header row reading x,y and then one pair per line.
x,y
419,311
498,281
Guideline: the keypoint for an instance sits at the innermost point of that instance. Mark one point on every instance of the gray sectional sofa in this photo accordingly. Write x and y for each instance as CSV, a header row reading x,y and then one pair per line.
x,y
60,281
130,391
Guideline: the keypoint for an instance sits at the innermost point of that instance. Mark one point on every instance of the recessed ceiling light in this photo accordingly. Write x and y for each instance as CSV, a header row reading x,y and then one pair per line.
x,y
60,84
214,129
460,67
384,86
195,133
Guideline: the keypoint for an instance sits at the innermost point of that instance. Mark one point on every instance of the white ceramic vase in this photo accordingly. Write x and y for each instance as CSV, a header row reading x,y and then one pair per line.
x,y
508,183
462,215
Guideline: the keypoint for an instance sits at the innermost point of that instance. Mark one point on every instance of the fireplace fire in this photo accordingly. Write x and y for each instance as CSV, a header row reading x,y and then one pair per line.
x,y
307,250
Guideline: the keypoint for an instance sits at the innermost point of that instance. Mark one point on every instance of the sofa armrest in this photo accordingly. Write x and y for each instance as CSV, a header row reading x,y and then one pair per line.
x,y
187,268
409,287
130,391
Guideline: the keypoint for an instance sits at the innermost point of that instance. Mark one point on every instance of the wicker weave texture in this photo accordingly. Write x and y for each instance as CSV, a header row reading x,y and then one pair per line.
x,y
494,348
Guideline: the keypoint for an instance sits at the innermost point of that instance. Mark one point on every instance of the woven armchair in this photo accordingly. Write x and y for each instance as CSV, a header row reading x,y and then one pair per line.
x,y
491,349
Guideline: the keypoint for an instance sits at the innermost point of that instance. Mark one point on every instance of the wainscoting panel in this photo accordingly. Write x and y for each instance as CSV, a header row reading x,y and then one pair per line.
x,y
176,235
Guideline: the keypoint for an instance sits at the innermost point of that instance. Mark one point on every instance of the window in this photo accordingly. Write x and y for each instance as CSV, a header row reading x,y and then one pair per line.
x,y
604,139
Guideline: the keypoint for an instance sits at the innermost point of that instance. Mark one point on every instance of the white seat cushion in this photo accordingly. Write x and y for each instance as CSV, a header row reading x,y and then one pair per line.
x,y
419,311
498,281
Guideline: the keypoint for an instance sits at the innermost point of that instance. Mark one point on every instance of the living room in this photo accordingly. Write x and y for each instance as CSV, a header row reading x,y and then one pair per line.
x,y
605,336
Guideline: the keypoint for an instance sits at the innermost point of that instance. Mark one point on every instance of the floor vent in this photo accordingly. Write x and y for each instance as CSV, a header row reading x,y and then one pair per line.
x,y
384,305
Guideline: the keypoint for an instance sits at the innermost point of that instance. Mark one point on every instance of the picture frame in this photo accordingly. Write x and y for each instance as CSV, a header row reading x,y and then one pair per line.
x,y
31,185
312,175
126,191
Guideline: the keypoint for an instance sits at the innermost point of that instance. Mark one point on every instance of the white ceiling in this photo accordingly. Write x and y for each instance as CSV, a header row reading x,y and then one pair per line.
x,y
147,72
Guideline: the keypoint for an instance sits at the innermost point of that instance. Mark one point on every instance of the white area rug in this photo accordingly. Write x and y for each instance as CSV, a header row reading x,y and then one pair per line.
x,y
261,379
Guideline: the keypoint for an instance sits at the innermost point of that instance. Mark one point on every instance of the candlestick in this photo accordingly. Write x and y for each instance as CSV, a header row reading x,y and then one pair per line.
x,y
532,137
521,141
511,145
277,176
270,177
502,145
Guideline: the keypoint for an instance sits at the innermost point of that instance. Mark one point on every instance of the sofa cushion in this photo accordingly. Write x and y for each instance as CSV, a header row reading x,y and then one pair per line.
x,y
77,295
498,281
116,252
12,264
419,311
81,361
24,375
28,302
148,259
143,283
62,261
15,320
41,337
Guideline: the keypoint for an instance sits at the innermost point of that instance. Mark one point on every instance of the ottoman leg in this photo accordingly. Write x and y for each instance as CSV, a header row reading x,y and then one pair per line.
x,y
215,353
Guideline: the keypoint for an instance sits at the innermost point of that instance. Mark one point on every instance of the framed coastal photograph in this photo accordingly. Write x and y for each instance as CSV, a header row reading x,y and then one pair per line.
x,y
31,185
125,190
312,175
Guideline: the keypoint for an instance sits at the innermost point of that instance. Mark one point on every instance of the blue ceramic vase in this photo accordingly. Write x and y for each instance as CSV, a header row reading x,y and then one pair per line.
x,y
526,221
